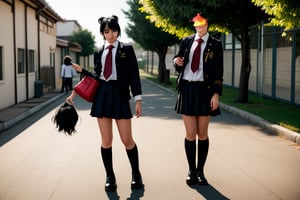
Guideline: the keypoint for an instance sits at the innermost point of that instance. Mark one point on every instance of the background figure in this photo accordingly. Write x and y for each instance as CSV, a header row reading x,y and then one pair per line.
x,y
200,66
67,74
117,70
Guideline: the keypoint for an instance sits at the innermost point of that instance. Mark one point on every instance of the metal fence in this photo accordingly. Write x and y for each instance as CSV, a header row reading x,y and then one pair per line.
x,y
275,63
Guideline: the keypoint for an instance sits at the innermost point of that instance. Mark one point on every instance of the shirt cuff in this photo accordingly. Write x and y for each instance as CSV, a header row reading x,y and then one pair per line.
x,y
138,97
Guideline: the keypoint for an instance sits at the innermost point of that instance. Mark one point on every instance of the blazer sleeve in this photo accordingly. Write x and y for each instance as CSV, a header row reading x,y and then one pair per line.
x,y
97,62
184,49
134,74
216,67
87,73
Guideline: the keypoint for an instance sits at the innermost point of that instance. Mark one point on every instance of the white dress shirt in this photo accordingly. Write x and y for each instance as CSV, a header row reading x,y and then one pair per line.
x,y
198,75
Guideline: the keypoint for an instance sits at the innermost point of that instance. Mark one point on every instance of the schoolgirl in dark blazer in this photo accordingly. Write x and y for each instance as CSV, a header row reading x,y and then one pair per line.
x,y
212,62
127,77
199,89
112,99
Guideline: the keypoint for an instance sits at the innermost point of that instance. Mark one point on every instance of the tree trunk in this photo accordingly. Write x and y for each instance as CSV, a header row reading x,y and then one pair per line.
x,y
162,64
246,65
245,71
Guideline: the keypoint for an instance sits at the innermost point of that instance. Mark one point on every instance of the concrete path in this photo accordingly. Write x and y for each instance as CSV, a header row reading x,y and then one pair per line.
x,y
244,162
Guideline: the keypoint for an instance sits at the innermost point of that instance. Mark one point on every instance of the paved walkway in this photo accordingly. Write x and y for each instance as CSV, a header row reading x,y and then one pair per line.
x,y
12,115
244,162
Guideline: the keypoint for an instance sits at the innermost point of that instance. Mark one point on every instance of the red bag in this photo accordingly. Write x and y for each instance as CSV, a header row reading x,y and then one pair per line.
x,y
87,88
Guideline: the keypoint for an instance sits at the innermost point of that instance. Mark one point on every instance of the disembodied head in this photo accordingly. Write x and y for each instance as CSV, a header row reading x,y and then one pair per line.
x,y
66,118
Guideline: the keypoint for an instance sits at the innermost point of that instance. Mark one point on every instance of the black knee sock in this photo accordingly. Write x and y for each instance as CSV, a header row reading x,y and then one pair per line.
x,y
202,154
133,157
107,161
190,151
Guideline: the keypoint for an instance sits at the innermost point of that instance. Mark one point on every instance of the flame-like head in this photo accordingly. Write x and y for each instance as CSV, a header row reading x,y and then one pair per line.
x,y
199,20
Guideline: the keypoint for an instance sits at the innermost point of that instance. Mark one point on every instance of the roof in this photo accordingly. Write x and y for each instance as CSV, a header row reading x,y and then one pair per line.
x,y
46,9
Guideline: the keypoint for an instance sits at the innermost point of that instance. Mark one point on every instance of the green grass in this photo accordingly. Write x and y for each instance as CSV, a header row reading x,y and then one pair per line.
x,y
275,111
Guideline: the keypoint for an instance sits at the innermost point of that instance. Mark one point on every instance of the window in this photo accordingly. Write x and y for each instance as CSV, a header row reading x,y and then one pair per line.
x,y
47,26
229,42
1,65
50,28
21,61
31,61
52,59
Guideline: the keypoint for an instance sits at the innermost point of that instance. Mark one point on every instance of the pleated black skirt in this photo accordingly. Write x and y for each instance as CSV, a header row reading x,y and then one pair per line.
x,y
194,100
110,103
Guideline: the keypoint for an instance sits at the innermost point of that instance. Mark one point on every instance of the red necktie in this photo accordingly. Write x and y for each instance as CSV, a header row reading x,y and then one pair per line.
x,y
108,63
196,56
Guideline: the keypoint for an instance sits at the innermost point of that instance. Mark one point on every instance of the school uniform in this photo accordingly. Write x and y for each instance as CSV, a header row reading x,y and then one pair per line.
x,y
114,93
112,101
195,89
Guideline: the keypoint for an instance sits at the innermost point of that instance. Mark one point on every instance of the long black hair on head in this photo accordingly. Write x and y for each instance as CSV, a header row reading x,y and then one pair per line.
x,y
66,118
109,22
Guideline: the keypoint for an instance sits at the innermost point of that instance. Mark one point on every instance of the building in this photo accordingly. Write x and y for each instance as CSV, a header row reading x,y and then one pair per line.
x,y
30,51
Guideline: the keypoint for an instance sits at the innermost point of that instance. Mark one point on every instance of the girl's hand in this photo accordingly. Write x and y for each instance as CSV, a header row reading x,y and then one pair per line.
x,y
214,102
179,61
77,67
70,98
138,108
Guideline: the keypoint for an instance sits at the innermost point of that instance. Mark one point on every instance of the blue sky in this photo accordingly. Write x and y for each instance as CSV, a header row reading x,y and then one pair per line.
x,y
87,13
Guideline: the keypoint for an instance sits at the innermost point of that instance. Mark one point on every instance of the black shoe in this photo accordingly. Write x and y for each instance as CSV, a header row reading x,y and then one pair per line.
x,y
192,178
136,182
201,179
110,184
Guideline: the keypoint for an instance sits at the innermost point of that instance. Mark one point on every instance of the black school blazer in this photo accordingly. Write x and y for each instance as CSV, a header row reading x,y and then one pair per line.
x,y
128,76
212,62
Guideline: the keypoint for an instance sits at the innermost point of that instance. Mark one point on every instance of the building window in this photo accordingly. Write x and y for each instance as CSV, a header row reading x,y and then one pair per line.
x,y
47,26
229,42
50,28
1,64
52,59
31,61
21,61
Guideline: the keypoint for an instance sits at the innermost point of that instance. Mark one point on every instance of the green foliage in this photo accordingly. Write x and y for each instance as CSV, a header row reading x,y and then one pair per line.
x,y
165,23
149,36
145,33
175,16
284,13
86,40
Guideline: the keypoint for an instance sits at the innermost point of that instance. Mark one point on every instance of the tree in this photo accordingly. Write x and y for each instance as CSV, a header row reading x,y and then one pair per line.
x,y
234,16
149,37
87,41
284,13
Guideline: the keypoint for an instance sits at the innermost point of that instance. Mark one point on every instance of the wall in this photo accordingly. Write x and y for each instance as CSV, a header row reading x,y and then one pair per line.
x,y
6,42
